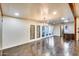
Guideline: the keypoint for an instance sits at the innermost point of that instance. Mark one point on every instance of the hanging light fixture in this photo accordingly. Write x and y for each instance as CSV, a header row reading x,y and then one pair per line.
x,y
44,13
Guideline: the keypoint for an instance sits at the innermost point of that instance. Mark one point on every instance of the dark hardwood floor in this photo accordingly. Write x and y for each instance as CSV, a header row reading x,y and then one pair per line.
x,y
53,46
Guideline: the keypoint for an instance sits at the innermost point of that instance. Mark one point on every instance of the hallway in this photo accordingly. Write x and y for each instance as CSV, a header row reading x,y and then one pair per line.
x,y
39,29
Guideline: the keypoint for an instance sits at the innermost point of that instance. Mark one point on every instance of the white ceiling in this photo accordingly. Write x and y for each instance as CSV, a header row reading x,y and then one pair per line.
x,y
32,11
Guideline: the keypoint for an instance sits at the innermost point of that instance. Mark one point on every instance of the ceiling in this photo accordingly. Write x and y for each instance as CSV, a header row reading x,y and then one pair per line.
x,y
38,11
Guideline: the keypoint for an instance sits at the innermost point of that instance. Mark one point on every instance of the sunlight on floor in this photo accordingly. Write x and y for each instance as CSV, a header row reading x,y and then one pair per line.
x,y
66,48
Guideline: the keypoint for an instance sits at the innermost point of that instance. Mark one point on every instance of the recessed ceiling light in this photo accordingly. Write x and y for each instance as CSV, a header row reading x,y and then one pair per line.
x,y
54,12
16,14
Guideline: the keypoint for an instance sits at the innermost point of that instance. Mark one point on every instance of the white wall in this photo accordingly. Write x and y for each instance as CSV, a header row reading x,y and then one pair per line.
x,y
69,29
56,30
0,32
77,28
17,31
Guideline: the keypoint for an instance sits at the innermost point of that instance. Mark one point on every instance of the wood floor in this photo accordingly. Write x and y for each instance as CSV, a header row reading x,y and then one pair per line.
x,y
0,53
53,46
